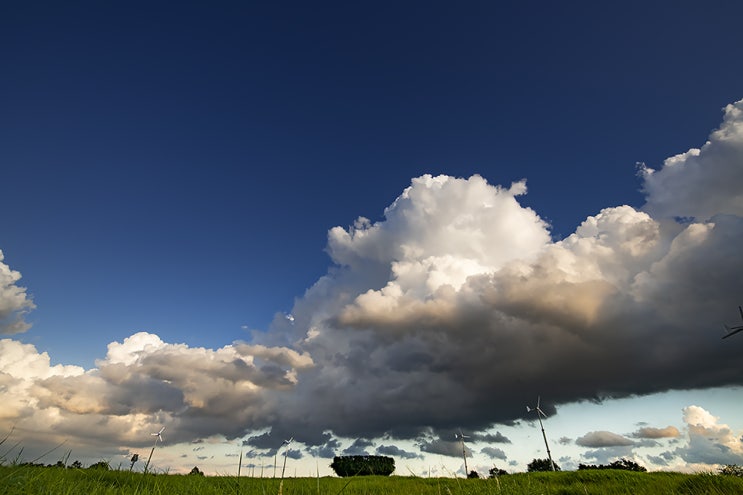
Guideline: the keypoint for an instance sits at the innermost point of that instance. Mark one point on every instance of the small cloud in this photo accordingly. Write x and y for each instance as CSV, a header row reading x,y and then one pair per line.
x,y
294,454
598,439
397,452
358,447
648,432
664,459
327,450
494,453
498,437
451,448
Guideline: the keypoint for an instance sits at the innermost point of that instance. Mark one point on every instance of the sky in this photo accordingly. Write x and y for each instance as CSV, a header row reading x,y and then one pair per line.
x,y
369,227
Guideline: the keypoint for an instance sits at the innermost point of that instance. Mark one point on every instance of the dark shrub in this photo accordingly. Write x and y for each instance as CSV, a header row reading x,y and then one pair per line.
x,y
363,465
541,465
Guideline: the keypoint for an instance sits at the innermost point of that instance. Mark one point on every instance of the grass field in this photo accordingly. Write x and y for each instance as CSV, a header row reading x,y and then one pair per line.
x,y
40,480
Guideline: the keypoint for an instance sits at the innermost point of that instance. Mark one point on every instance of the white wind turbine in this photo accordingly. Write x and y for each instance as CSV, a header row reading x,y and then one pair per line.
x,y
540,413
461,436
286,452
158,436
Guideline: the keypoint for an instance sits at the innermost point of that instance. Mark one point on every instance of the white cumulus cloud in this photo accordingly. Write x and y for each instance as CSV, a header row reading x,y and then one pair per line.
x,y
709,442
14,302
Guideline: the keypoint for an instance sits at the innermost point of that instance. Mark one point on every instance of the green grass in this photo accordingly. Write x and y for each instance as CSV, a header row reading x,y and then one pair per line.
x,y
52,481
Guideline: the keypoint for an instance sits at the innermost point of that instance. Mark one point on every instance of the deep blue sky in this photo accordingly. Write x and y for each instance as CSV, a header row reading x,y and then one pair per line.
x,y
175,167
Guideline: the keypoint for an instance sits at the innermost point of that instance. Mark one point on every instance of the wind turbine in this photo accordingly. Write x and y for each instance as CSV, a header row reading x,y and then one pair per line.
x,y
286,452
734,330
158,436
461,436
540,413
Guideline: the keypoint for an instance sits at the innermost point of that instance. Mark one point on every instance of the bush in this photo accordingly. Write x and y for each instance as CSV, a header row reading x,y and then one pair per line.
x,y
473,475
541,465
363,465
196,471
731,470
103,465
494,471
622,464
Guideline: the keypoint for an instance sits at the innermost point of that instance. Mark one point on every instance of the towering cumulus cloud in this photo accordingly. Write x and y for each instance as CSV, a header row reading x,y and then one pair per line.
x,y
456,309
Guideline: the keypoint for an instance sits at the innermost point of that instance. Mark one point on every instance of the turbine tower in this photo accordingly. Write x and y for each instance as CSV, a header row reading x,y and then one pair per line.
x,y
286,453
461,436
540,413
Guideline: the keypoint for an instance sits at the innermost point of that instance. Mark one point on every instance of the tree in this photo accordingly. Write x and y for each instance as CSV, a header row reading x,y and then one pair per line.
x,y
473,474
363,465
196,472
494,471
76,465
621,464
100,465
541,465
627,465
731,470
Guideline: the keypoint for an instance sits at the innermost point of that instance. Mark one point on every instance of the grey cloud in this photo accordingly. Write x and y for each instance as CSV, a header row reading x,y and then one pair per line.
x,y
567,463
264,441
498,437
358,447
494,453
397,452
443,447
663,459
326,451
294,454
608,454
603,439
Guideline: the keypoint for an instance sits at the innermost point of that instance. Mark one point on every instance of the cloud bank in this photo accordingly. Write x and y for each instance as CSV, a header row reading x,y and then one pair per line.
x,y
456,309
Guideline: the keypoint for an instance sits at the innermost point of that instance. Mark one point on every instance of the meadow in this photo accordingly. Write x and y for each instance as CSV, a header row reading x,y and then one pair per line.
x,y
21,479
